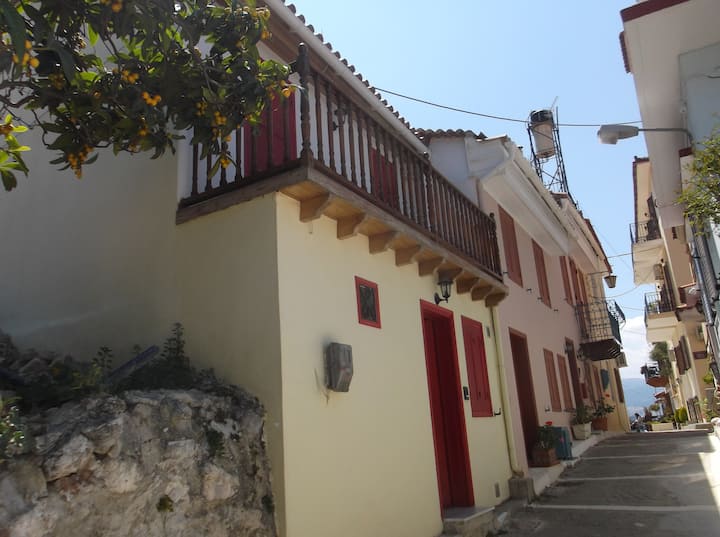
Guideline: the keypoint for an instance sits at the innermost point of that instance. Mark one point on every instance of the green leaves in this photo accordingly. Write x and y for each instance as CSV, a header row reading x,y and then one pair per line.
x,y
701,193
153,81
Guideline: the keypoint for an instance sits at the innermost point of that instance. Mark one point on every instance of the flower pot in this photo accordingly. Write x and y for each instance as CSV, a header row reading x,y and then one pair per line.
x,y
582,431
600,424
544,456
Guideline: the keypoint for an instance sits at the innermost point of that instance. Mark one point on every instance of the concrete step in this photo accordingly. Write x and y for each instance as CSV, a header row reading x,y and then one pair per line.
x,y
468,521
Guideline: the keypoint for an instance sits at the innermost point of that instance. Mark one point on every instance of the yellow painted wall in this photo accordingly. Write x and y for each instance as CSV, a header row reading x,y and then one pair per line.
x,y
228,303
362,463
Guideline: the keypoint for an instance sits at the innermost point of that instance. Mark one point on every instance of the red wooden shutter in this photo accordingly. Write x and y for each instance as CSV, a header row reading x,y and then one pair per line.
x,y
480,398
574,278
565,279
509,238
552,381
564,381
618,382
543,288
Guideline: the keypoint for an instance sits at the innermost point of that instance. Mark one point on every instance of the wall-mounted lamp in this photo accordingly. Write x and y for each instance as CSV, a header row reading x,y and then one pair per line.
x,y
445,288
610,279
341,115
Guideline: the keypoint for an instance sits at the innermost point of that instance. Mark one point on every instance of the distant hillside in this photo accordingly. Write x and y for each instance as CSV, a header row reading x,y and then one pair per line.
x,y
637,395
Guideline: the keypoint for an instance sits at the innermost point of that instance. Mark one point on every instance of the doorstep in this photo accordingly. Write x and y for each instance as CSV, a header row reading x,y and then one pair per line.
x,y
468,521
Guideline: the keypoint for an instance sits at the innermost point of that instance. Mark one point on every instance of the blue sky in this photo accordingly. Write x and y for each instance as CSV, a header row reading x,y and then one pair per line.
x,y
506,58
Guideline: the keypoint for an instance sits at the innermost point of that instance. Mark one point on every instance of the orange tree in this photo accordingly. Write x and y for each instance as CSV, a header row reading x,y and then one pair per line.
x,y
132,75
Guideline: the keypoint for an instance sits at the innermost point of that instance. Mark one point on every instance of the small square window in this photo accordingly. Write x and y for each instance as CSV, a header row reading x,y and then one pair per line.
x,y
368,303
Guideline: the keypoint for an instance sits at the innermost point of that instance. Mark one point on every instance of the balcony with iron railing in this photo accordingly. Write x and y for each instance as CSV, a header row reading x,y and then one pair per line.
x,y
600,323
659,302
647,250
350,164
644,231
653,376
660,318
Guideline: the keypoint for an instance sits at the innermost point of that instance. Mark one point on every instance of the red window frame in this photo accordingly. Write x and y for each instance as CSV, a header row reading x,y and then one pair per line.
x,y
510,246
476,360
555,404
564,381
541,271
361,282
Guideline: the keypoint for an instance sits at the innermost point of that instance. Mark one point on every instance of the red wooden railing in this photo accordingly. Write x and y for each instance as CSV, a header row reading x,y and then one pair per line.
x,y
339,137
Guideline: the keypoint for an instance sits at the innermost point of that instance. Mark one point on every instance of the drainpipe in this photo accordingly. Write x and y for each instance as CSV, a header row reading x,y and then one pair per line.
x,y
509,437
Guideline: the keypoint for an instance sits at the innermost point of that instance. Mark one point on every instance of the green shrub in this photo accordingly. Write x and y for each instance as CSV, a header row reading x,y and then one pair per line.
x,y
681,415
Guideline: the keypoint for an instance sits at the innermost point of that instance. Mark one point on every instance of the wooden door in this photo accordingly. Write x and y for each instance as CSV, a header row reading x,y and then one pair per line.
x,y
446,408
525,390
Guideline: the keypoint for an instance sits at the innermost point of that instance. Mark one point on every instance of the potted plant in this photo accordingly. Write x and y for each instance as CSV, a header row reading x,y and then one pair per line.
x,y
600,416
581,422
544,449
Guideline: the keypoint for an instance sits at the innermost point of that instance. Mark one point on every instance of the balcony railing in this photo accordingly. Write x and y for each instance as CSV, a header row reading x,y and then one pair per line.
x,y
659,302
346,143
600,320
644,231
653,376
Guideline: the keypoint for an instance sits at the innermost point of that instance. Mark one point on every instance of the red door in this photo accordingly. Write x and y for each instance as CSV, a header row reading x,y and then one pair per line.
x,y
525,390
446,408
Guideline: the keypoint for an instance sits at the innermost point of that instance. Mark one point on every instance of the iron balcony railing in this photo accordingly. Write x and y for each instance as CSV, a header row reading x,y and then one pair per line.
x,y
347,143
653,375
644,231
600,320
659,302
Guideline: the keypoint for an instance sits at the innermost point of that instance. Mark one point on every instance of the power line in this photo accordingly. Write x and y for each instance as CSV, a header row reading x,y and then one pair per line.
x,y
490,116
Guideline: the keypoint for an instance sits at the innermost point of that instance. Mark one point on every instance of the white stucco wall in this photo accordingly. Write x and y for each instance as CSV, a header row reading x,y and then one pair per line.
x,y
363,462
88,262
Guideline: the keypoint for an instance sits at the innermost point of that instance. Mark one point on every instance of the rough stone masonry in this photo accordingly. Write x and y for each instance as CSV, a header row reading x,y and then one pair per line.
x,y
154,463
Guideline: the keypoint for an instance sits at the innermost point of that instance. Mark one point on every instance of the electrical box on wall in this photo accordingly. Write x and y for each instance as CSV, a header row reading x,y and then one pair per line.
x,y
338,367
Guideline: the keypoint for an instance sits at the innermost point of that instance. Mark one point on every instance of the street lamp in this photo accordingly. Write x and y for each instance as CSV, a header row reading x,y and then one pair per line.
x,y
610,134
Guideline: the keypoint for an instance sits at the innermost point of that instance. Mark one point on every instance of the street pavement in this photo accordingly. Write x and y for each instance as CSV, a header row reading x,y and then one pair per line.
x,y
638,484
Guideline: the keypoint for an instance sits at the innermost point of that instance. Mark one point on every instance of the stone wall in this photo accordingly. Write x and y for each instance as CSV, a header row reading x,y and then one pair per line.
x,y
155,463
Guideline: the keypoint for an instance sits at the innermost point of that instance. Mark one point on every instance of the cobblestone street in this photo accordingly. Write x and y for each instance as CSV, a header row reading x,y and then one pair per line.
x,y
654,484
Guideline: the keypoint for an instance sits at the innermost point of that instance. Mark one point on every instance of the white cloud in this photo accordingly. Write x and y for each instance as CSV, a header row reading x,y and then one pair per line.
x,y
635,346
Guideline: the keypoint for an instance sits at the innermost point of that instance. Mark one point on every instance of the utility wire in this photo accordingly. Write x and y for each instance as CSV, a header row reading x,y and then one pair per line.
x,y
490,116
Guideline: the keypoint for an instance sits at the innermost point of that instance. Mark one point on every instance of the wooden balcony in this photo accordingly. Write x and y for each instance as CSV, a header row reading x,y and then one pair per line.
x,y
349,164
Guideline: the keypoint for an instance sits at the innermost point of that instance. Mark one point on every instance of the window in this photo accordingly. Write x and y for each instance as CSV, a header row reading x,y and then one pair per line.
x,y
274,141
512,257
543,288
368,303
564,381
552,381
566,280
480,399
